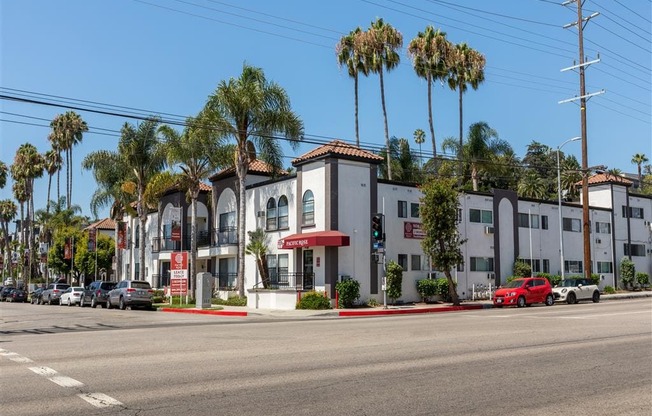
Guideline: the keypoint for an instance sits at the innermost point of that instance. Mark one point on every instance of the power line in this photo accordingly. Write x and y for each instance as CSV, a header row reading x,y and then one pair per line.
x,y
626,40
608,17
494,14
642,17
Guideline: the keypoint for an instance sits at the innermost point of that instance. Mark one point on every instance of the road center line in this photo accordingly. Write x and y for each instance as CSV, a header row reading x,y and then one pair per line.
x,y
100,399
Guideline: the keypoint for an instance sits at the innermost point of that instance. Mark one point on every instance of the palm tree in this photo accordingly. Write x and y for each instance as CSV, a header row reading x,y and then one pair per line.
x,y
531,185
3,174
68,130
430,52
404,162
142,153
419,138
8,212
52,162
379,46
466,68
252,110
21,195
192,151
349,55
638,159
257,247
570,176
481,147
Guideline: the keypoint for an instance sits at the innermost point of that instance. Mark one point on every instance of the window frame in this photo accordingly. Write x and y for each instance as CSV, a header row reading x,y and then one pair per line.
x,y
308,208
481,216
283,218
271,215
402,209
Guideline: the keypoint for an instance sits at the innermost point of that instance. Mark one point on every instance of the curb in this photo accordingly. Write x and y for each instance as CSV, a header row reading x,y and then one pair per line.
x,y
413,311
205,312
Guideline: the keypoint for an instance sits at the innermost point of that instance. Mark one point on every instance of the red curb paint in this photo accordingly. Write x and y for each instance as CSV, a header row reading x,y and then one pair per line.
x,y
410,311
205,312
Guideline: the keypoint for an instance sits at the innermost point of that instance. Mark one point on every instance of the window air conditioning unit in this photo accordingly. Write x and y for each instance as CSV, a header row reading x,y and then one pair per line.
x,y
488,230
491,275
260,214
598,241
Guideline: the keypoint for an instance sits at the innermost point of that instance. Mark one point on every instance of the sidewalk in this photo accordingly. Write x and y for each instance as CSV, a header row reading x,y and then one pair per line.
x,y
241,311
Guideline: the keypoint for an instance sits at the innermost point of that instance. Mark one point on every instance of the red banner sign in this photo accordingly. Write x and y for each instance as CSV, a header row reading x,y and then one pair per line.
x,y
122,235
413,230
92,239
67,249
179,273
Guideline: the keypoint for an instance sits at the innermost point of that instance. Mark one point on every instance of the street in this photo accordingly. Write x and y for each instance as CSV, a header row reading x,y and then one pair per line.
x,y
585,359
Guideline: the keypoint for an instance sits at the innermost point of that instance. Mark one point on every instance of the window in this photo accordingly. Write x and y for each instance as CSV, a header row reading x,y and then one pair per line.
x,y
632,212
604,267
283,262
271,215
415,262
573,266
572,224
271,267
402,209
137,236
544,222
634,249
481,215
403,261
546,265
603,227
482,264
308,209
283,212
528,220
414,210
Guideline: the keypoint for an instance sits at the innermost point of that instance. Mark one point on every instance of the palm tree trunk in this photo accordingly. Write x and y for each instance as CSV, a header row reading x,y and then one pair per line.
x,y
474,176
47,202
640,176
241,169
430,120
118,251
357,133
459,156
193,241
70,186
58,185
142,214
382,97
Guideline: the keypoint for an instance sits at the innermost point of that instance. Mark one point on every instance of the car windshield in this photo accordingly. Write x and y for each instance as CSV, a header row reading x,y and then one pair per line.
x,y
515,283
568,283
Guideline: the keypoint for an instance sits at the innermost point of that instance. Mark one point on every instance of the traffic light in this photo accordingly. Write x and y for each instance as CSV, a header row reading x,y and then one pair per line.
x,y
377,227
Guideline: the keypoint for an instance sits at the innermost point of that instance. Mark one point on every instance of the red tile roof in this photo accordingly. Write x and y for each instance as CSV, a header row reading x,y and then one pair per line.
x,y
256,166
339,148
105,224
605,177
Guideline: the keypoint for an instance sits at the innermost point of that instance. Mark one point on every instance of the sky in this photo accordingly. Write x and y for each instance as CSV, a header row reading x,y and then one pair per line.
x,y
165,57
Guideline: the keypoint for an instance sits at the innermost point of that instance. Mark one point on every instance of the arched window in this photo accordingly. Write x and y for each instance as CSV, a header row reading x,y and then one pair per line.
x,y
271,215
308,209
283,212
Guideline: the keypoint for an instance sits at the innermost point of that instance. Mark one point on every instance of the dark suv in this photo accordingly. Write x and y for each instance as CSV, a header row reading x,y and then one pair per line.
x,y
53,293
96,293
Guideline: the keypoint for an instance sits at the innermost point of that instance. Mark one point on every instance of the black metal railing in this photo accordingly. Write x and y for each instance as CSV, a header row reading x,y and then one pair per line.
x,y
166,244
225,236
290,281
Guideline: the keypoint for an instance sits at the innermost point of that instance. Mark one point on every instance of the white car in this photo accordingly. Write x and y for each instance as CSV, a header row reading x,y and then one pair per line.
x,y
574,290
71,296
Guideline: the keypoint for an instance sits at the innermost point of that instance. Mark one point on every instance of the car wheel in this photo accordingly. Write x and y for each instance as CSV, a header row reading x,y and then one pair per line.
x,y
122,305
570,299
69,302
550,300
520,302
93,302
596,297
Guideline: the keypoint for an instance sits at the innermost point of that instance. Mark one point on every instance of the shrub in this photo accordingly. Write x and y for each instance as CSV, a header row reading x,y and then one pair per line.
x,y
426,288
231,301
522,269
642,279
159,296
348,292
372,302
610,290
394,280
595,279
627,272
442,289
554,279
314,300
510,278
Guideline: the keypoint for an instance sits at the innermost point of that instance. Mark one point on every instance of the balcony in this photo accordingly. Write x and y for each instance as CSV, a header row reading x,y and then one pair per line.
x,y
225,236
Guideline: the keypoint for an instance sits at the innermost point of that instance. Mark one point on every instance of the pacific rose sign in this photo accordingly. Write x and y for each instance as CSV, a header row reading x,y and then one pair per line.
x,y
293,243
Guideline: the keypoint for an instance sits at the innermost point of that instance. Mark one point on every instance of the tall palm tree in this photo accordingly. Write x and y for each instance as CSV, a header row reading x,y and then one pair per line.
x,y
142,153
19,188
430,52
480,149
465,68
379,46
638,159
192,151
419,138
8,211
570,176
52,162
68,130
110,174
350,56
251,110
531,185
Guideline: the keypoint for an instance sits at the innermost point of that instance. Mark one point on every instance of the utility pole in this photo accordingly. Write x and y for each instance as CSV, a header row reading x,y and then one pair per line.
x,y
583,97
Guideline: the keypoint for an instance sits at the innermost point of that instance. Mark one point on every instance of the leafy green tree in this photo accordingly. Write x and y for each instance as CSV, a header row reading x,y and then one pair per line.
x,y
3,174
627,272
86,261
394,280
252,110
67,131
522,269
349,55
438,211
258,247
430,52
56,254
379,46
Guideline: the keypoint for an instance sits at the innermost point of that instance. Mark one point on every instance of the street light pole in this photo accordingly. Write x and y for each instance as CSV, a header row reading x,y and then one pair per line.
x,y
561,235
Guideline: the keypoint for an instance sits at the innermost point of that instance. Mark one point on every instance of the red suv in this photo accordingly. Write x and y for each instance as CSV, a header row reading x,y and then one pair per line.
x,y
524,292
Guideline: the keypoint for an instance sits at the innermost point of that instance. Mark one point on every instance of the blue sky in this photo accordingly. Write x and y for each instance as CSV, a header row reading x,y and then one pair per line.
x,y
168,56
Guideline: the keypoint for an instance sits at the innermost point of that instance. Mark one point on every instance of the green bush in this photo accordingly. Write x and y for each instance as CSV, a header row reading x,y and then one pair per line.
x,y
348,292
522,269
426,288
609,290
510,278
372,303
314,300
231,301
554,279
442,289
394,280
159,296
595,279
627,273
642,279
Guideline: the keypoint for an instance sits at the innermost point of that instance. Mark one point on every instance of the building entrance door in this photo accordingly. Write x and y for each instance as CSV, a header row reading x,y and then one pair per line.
x,y
308,273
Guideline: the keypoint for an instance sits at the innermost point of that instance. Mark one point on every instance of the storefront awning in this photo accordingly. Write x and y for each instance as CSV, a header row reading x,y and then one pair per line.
x,y
318,238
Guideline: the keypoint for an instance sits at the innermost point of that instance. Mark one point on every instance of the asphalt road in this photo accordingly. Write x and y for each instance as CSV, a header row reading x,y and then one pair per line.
x,y
586,359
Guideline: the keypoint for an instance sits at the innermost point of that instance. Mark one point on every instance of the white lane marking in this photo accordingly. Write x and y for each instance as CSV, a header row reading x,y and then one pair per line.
x,y
44,371
54,377
15,357
100,399
602,314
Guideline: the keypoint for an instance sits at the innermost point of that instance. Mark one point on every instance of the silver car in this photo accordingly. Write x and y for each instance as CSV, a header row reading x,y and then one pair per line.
x,y
132,293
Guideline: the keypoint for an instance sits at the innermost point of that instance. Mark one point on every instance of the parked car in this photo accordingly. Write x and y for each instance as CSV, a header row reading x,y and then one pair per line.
x,y
35,296
95,294
132,293
17,295
53,293
4,293
71,296
574,290
524,292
